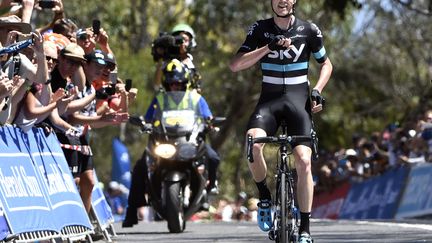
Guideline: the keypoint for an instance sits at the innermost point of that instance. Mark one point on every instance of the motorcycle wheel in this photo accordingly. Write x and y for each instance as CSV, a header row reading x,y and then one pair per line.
x,y
174,207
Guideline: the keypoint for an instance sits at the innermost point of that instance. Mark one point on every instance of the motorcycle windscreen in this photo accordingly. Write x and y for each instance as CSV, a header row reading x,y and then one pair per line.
x,y
178,121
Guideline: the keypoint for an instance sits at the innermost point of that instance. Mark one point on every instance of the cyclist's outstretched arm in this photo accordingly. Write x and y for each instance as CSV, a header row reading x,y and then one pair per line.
x,y
244,60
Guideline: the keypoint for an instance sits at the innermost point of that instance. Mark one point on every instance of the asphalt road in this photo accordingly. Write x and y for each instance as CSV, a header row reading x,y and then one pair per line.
x,y
325,231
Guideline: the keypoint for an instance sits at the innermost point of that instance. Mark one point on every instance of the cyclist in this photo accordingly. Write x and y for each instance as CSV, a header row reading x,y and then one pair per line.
x,y
175,78
283,45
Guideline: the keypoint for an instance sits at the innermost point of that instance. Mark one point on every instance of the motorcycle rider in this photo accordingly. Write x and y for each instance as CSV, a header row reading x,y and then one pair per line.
x,y
175,78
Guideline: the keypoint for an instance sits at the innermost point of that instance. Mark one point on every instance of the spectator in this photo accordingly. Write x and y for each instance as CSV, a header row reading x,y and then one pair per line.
x,y
60,40
424,128
87,39
87,118
118,101
39,103
17,66
115,198
69,61
252,209
23,8
240,211
224,211
32,112
59,24
6,88
356,167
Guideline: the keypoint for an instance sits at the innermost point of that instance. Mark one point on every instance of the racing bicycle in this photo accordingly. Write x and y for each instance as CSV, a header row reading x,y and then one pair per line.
x,y
285,213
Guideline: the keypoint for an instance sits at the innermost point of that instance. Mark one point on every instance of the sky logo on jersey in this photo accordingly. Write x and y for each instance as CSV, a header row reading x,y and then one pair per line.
x,y
292,53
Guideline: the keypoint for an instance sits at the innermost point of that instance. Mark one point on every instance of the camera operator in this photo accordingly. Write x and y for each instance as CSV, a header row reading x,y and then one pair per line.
x,y
187,35
178,45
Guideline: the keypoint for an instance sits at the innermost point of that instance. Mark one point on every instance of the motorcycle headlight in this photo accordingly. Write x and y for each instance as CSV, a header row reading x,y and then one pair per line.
x,y
165,151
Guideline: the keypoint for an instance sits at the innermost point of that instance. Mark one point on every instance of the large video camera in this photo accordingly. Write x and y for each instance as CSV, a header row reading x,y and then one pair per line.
x,y
166,47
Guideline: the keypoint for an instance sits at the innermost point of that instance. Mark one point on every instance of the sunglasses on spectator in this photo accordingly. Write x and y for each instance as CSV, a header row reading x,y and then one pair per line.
x,y
83,36
73,62
110,66
48,58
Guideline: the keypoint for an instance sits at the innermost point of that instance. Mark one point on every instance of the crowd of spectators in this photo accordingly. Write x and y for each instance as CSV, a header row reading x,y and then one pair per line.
x,y
396,145
60,77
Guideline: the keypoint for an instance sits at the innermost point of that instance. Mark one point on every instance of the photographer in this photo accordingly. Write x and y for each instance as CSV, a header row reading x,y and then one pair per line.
x,y
178,45
113,92
90,37
187,35
60,25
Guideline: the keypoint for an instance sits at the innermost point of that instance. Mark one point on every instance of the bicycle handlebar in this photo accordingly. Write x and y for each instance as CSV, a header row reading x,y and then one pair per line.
x,y
271,139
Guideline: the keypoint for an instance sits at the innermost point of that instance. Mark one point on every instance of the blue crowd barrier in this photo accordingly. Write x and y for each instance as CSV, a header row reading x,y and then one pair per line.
x,y
4,229
376,198
417,197
100,206
37,189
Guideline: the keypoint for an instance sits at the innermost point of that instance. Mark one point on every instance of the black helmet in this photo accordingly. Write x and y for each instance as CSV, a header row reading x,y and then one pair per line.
x,y
174,72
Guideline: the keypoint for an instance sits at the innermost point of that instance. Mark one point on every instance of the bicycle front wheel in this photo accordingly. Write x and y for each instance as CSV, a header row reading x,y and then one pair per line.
x,y
283,230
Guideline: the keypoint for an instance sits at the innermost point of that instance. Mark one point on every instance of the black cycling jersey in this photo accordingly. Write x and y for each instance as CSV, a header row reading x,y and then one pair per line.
x,y
285,87
288,66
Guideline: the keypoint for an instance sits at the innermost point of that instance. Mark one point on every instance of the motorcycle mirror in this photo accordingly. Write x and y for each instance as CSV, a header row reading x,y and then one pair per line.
x,y
218,120
136,120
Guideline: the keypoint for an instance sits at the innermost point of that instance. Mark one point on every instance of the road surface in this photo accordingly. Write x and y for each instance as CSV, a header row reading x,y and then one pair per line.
x,y
323,231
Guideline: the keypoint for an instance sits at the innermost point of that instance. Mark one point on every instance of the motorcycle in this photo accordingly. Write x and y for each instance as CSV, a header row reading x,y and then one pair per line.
x,y
176,162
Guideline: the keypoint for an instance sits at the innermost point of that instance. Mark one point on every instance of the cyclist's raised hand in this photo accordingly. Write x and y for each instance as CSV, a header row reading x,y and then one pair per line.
x,y
318,101
279,42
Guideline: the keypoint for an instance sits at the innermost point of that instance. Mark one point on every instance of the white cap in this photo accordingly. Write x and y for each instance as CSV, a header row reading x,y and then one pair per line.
x,y
350,152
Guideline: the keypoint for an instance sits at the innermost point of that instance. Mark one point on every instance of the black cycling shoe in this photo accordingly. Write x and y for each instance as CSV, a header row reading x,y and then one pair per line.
x,y
131,218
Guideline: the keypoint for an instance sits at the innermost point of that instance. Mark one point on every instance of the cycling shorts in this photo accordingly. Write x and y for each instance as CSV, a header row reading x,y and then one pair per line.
x,y
292,105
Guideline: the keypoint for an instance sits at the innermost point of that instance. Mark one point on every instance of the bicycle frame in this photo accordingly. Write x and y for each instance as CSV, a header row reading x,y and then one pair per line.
x,y
285,216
